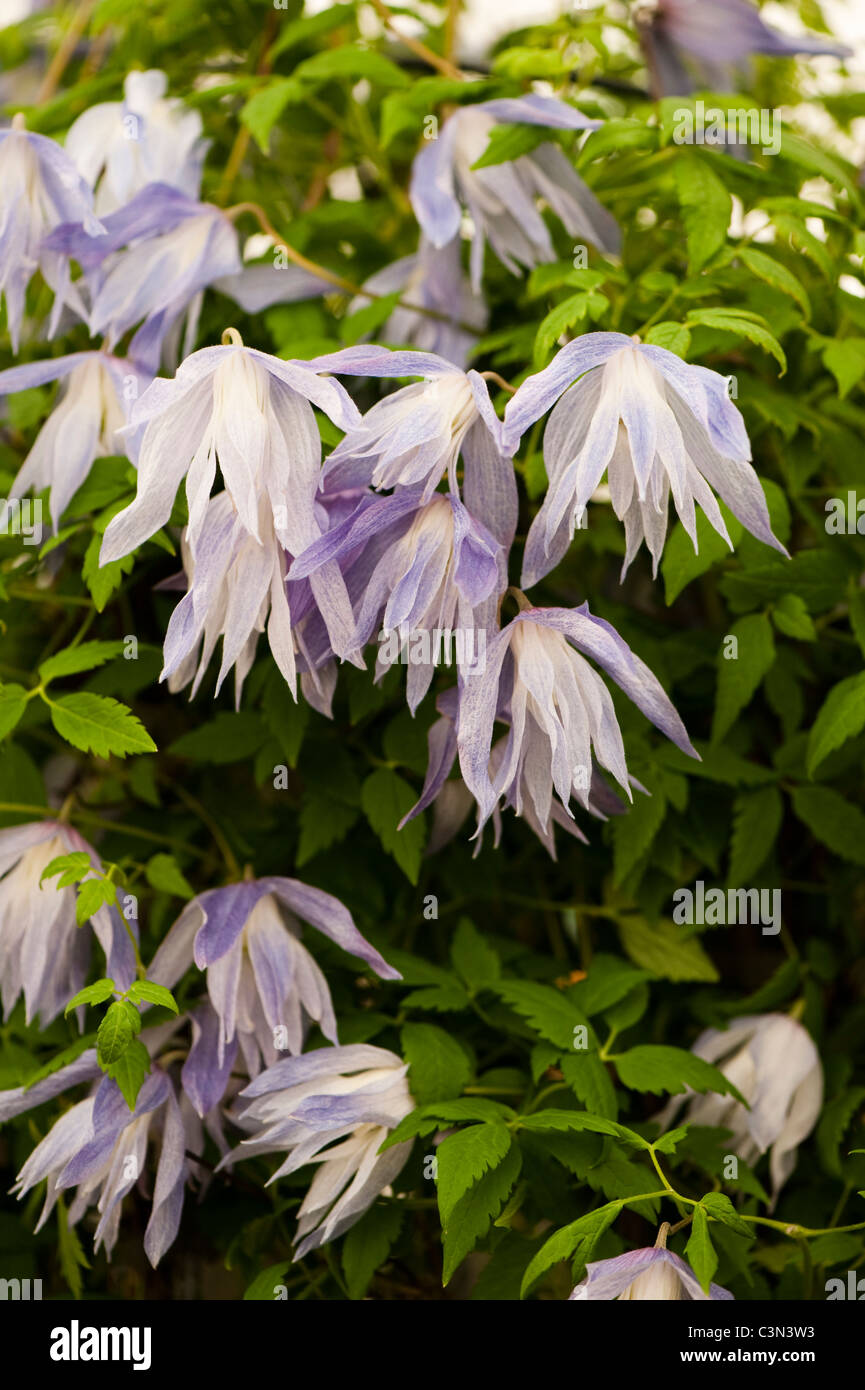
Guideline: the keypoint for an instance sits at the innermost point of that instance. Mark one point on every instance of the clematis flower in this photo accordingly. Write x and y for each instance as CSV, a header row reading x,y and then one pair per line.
x,y
655,425
652,1273
250,413
414,437
100,1148
501,198
81,428
429,583
39,189
433,279
43,953
773,1062
715,38
303,1106
260,977
121,146
560,712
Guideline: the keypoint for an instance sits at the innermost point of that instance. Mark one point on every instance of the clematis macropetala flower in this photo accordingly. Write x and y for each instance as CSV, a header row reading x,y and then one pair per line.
x,y
44,954
715,39
654,1273
264,986
336,1107
561,714
501,198
772,1061
40,189
655,425
96,393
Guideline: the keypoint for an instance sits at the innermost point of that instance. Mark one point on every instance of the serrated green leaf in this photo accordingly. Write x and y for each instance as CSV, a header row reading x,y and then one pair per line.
x,y
657,1068
706,209
438,1066
464,1157
368,1244
473,957
129,1070
82,658
13,703
471,1217
700,1251
98,724
757,817
740,675
386,798
841,717
143,990
665,950
96,993
833,820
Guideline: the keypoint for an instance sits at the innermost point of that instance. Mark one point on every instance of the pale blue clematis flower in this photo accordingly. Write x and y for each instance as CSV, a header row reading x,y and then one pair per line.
x,y
302,1105
654,1274
100,1148
433,279
434,569
560,712
44,954
120,147
264,986
771,1059
655,425
716,38
250,414
40,189
501,198
97,391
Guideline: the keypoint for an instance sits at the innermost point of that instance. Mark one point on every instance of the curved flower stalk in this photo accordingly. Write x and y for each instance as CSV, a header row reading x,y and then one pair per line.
x,y
773,1062
433,279
560,712
260,978
121,146
336,1107
715,39
250,414
654,1273
452,802
43,953
415,437
655,425
99,1148
40,189
501,199
426,594
97,391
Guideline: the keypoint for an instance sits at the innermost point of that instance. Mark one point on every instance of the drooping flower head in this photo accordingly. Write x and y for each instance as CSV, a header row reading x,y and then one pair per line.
x,y
772,1061
43,953
40,189
560,712
655,425
715,39
501,198
336,1107
654,1273
120,147
260,977
98,390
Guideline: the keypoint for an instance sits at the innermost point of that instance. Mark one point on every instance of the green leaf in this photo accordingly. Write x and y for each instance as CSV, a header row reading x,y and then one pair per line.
x,y
608,980
757,817
154,994
700,1251
590,1082
581,1120
102,580
834,1123
91,994
670,1069
82,658
386,798
790,616
313,26
163,874
706,209
681,562
70,1253
471,1217
98,724
264,108
743,325
841,717
719,1206
674,337
548,1011
116,1032
846,361
264,1286
368,1244
13,703
833,820
354,63
473,957
767,268
230,737
438,1066
665,950
129,1070
634,831
464,1157
93,894
580,1237
508,142
71,867
739,675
